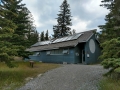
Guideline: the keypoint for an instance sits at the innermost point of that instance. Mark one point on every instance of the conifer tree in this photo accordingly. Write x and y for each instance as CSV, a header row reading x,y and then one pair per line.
x,y
7,27
46,35
33,37
32,34
110,37
42,36
22,21
112,28
14,22
64,21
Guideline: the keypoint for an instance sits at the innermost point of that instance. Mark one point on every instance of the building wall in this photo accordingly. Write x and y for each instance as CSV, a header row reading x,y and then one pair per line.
x,y
75,54
78,52
91,56
43,57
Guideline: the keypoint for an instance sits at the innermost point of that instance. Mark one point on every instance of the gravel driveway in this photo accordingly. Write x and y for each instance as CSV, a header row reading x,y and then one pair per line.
x,y
68,77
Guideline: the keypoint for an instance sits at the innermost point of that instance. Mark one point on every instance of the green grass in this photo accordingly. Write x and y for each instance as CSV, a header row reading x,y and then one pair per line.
x,y
11,78
109,84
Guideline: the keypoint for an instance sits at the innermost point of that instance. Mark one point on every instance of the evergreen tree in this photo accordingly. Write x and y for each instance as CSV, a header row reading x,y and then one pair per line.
x,y
35,37
15,22
72,32
32,34
110,37
64,21
22,22
42,36
24,25
112,28
46,35
7,27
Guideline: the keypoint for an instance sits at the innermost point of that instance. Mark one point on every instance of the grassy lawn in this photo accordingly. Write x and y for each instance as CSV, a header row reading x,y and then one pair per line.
x,y
10,78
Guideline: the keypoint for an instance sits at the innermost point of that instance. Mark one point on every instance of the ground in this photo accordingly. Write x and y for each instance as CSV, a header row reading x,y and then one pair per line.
x,y
68,77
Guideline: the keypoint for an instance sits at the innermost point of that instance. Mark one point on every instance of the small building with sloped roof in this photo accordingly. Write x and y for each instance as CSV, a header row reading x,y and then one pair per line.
x,y
78,48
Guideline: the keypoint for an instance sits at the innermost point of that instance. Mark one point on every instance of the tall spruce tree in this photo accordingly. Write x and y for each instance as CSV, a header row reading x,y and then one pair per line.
x,y
110,37
7,27
22,22
112,28
42,37
14,22
32,34
33,37
64,21
46,35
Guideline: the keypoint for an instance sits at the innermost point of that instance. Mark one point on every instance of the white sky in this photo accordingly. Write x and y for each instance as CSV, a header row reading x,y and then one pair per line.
x,y
86,14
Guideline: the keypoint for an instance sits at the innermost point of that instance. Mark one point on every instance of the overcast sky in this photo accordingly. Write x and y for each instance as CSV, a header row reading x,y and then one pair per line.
x,y
87,14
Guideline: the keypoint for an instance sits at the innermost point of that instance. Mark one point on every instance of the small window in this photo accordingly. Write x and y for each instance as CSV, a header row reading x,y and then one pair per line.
x,y
65,51
36,54
48,52
56,52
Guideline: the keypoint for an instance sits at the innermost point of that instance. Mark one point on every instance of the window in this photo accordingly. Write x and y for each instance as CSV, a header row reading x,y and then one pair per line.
x,y
56,52
36,54
66,51
48,52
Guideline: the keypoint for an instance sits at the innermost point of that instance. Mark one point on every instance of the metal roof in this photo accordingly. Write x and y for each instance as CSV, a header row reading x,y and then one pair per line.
x,y
67,41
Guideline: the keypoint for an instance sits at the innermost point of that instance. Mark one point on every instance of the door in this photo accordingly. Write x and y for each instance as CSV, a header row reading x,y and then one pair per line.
x,y
83,56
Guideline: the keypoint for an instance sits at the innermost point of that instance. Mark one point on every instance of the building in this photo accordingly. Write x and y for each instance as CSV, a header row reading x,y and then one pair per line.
x,y
78,48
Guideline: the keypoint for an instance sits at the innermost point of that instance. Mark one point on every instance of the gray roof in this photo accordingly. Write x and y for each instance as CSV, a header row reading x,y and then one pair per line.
x,y
68,41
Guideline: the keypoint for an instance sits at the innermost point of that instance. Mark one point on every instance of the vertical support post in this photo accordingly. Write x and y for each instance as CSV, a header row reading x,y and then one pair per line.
x,y
31,63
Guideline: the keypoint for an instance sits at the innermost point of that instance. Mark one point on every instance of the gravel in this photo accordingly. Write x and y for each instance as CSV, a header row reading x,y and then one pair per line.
x,y
68,77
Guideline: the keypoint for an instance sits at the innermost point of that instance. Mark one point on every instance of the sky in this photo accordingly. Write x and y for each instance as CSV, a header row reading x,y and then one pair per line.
x,y
86,14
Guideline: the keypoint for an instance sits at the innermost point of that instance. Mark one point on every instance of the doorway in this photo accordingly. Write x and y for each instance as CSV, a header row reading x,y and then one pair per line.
x,y
83,56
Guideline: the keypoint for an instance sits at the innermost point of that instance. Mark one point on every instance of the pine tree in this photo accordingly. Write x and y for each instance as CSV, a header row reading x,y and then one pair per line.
x,y
32,34
34,37
7,27
64,21
24,25
110,37
111,28
14,22
46,35
24,21
42,36
21,21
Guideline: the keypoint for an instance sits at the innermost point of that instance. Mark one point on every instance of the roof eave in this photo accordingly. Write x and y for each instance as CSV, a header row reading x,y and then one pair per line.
x,y
80,42
89,37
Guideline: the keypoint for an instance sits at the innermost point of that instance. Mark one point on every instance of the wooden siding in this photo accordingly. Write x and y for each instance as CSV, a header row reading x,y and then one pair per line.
x,y
93,57
75,54
43,57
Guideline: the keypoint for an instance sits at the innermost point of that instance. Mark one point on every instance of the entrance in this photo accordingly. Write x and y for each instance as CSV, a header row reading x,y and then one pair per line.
x,y
83,56
81,53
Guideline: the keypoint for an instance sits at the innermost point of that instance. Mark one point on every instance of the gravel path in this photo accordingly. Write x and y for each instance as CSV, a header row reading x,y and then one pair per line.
x,y
68,77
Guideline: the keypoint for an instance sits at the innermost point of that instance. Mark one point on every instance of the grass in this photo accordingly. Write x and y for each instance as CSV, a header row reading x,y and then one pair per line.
x,y
11,78
109,84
